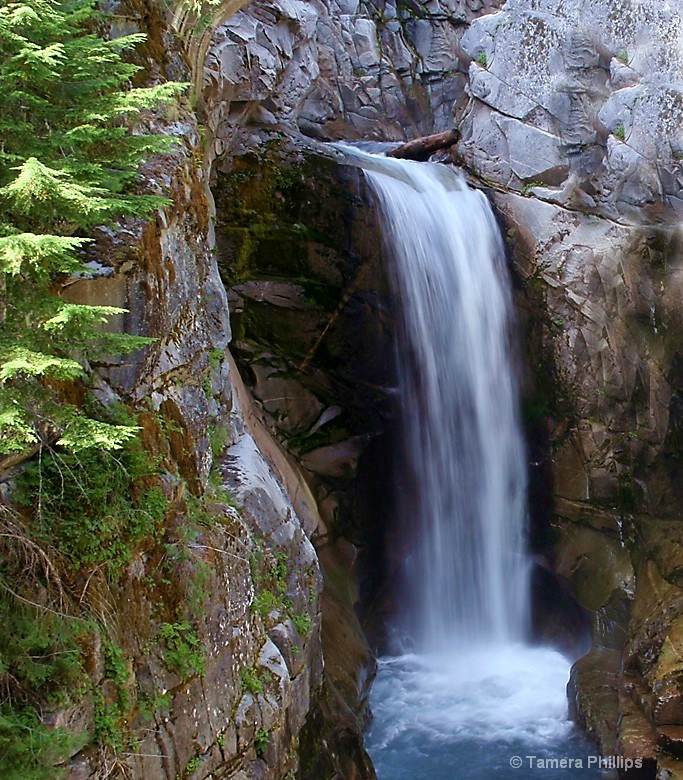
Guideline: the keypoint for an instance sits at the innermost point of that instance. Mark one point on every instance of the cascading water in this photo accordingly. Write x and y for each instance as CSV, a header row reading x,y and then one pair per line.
x,y
470,680
468,571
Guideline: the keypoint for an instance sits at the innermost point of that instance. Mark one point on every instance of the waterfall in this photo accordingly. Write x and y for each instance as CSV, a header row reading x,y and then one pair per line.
x,y
465,690
466,576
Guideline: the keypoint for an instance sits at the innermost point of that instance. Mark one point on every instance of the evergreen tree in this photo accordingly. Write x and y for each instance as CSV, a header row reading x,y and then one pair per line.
x,y
68,159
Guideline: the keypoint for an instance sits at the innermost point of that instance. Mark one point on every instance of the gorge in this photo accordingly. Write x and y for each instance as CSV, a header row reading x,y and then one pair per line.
x,y
240,640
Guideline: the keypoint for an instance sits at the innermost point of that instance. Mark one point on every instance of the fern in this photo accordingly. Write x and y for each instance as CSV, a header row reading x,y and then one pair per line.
x,y
67,163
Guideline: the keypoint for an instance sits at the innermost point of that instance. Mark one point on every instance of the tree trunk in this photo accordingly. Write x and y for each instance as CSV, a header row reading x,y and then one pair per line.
x,y
421,149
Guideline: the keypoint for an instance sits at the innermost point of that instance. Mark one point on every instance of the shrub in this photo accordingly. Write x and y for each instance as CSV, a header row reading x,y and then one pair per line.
x,y
183,648
94,507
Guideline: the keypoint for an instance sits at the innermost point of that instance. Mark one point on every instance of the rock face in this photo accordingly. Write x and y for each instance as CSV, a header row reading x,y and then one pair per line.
x,y
298,246
584,97
257,631
338,68
217,622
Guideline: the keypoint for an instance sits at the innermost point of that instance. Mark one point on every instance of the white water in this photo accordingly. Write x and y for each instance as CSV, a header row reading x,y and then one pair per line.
x,y
467,570
473,691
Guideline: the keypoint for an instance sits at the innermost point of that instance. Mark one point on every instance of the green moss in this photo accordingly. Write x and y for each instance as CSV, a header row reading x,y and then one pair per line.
x,y
259,205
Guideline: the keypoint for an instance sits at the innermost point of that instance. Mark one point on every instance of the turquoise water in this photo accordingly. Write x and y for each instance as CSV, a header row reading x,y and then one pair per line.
x,y
478,714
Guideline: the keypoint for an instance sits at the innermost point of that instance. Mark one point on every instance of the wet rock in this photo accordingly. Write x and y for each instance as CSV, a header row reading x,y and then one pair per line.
x,y
336,460
293,408
593,692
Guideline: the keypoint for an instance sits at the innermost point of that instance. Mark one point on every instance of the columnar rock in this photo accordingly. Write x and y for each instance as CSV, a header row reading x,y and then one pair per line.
x,y
338,68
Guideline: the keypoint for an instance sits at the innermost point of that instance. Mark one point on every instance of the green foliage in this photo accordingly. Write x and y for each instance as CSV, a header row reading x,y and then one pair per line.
x,y
198,588
269,573
192,765
68,160
108,723
116,669
255,680
620,132
526,189
251,682
28,749
110,714
148,706
266,602
216,357
261,741
303,623
183,649
94,507
39,652
217,491
482,60
219,437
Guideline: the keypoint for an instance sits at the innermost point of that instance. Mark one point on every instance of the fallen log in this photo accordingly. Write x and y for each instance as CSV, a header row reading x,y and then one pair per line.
x,y
421,149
